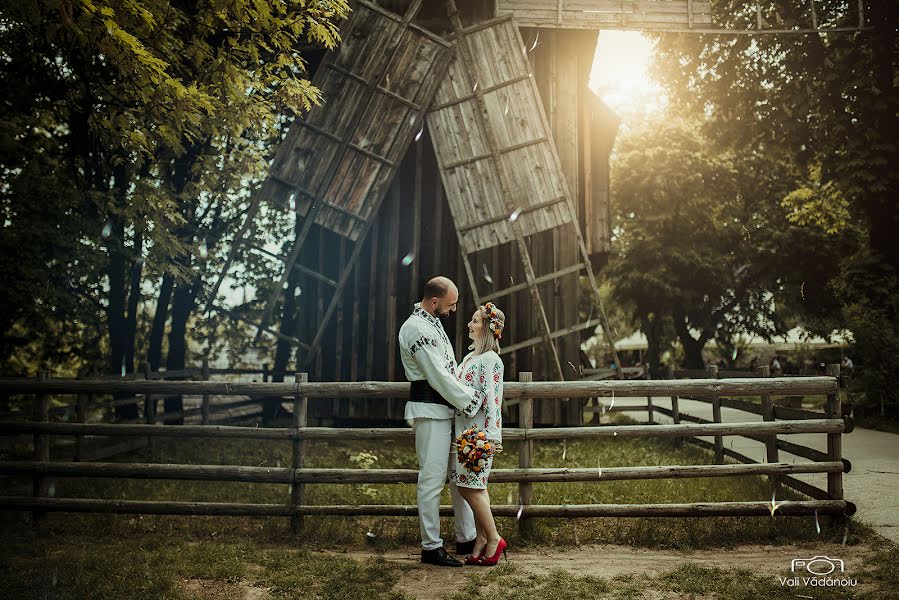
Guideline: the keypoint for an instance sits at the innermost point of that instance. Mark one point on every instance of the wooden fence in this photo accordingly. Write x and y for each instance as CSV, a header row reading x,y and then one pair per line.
x,y
525,392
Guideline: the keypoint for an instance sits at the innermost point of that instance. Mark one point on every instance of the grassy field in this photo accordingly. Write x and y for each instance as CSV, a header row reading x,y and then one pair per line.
x,y
111,556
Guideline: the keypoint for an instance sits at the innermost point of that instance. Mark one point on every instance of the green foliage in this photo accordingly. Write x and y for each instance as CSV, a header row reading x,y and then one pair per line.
x,y
131,137
825,107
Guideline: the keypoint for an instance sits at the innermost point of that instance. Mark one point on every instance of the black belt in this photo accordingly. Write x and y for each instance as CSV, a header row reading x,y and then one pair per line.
x,y
421,391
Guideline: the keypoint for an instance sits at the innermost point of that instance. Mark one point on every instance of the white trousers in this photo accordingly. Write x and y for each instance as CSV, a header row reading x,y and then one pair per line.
x,y
433,439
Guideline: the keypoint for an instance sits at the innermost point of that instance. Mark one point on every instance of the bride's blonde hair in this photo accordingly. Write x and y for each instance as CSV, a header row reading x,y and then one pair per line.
x,y
494,322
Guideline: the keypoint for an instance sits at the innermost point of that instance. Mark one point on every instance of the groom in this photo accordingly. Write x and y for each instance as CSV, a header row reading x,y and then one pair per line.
x,y
430,365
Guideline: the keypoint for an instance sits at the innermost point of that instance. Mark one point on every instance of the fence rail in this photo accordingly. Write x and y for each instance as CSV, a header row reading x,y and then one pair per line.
x,y
718,392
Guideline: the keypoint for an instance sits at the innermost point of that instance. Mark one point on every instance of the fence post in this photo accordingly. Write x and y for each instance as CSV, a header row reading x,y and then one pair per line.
x,y
525,457
834,440
297,490
771,453
716,417
204,409
265,373
649,408
41,414
82,402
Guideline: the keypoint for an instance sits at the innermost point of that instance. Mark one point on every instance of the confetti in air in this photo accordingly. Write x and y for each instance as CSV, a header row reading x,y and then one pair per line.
x,y
475,88
520,511
514,216
299,292
571,364
486,274
370,535
802,291
614,434
420,131
123,366
734,355
817,524
613,401
107,229
599,468
506,111
204,251
774,505
564,448
534,45
293,203
407,260
509,498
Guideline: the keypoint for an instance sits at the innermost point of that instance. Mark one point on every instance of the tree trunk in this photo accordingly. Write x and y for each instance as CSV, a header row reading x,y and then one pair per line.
x,y
154,352
692,347
176,359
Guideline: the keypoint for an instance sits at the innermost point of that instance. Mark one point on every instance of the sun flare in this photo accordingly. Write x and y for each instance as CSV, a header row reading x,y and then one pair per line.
x,y
620,74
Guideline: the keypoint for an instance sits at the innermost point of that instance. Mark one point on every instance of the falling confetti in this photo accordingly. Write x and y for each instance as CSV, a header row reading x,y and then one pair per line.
x,y
564,448
571,364
123,366
734,355
293,204
817,524
407,260
599,468
508,102
615,434
514,216
509,498
774,505
420,131
475,88
520,511
107,229
299,292
370,535
486,274
613,401
387,85
534,45
204,251
512,281
802,291
845,534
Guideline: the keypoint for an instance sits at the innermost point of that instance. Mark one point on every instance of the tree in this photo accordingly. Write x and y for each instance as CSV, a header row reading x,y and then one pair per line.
x,y
700,237
150,123
828,104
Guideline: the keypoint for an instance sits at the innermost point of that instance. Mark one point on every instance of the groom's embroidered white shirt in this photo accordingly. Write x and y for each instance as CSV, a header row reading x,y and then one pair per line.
x,y
427,354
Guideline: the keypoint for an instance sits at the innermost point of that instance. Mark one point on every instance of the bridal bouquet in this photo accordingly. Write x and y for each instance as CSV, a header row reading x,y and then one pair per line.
x,y
474,449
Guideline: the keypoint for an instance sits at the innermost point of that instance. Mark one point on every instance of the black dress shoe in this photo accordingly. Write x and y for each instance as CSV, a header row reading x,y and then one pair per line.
x,y
439,557
465,547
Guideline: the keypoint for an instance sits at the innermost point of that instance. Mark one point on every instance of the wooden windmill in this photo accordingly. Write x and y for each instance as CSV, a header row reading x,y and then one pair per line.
x,y
499,164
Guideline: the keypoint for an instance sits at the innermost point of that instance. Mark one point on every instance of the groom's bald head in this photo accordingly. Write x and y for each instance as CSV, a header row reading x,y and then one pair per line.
x,y
440,296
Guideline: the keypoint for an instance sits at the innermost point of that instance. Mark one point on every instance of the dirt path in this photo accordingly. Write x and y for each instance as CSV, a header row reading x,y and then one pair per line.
x,y
426,582
873,483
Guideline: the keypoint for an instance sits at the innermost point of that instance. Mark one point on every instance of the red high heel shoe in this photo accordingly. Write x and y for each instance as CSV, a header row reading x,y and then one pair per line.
x,y
476,560
491,561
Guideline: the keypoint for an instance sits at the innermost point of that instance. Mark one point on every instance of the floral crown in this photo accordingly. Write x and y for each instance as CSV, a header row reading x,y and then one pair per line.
x,y
495,324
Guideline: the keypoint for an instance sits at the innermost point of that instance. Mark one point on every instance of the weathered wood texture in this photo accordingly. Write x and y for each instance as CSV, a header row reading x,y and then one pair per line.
x,y
831,426
710,509
537,389
609,14
352,476
345,152
471,167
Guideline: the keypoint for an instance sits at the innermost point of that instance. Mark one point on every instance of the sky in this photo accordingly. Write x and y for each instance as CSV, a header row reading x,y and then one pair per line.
x,y
621,77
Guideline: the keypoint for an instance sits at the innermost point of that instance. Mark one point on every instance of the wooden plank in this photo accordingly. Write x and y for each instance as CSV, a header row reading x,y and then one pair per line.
x,y
699,509
537,389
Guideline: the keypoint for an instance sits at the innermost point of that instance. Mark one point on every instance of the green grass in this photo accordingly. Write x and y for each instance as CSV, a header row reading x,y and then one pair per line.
x,y
156,566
